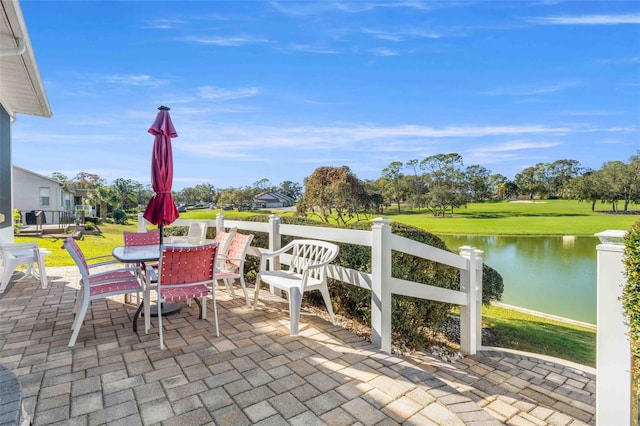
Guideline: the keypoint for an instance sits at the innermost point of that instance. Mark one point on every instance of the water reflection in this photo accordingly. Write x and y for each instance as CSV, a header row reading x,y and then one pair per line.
x,y
555,275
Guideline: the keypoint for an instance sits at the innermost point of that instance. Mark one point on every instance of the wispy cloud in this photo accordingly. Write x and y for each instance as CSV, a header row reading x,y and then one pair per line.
x,y
314,8
400,35
134,80
590,113
358,7
631,60
517,145
164,24
314,49
532,91
217,93
246,139
227,41
383,51
632,18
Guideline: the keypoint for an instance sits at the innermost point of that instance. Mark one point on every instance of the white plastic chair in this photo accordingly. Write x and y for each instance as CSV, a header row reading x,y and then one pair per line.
x,y
14,255
308,260
196,233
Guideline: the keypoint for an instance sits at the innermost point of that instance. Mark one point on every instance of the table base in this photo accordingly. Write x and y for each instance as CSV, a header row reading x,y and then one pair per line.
x,y
167,309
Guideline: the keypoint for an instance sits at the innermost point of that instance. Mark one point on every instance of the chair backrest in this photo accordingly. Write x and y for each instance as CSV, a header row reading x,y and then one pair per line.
x,y
23,251
76,254
224,240
187,265
197,230
238,249
305,253
141,238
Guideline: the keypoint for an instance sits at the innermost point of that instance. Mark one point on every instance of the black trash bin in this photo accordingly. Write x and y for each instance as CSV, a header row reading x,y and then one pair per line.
x,y
30,217
42,215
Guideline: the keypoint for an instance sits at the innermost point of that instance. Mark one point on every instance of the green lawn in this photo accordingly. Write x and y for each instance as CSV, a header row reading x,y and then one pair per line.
x,y
545,217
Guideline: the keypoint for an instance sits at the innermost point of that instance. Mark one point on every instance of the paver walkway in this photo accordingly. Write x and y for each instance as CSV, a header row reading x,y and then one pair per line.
x,y
255,373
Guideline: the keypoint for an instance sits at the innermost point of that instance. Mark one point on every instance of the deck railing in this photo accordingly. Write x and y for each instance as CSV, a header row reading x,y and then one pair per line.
x,y
380,281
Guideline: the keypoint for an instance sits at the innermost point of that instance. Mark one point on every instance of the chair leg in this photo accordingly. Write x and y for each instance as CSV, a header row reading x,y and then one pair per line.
x,y
77,323
160,322
42,272
78,303
295,303
215,311
244,290
257,291
6,276
229,283
327,302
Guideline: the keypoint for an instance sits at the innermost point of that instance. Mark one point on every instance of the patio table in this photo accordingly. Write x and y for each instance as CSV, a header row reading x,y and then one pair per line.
x,y
151,253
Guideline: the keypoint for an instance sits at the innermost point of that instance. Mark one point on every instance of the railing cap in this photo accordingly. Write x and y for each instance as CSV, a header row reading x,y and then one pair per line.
x,y
612,236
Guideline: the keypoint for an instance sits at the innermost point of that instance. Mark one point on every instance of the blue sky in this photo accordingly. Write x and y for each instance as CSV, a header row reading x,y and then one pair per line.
x,y
262,89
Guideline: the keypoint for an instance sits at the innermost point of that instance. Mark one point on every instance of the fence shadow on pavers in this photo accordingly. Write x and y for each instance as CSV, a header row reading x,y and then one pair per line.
x,y
516,388
254,372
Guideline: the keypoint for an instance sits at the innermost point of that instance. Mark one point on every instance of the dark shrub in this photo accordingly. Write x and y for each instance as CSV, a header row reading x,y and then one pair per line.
x,y
119,216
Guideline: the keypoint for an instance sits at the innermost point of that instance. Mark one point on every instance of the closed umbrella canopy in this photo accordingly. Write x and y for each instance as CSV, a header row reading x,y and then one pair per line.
x,y
161,209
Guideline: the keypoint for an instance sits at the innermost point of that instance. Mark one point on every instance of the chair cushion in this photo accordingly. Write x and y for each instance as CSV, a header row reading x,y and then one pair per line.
x,y
173,294
115,287
113,275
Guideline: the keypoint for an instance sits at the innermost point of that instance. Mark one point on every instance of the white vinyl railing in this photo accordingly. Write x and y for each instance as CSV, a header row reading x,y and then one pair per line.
x,y
616,397
380,281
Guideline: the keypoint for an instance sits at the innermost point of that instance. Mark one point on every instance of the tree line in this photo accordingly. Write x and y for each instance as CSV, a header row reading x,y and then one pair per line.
x,y
439,183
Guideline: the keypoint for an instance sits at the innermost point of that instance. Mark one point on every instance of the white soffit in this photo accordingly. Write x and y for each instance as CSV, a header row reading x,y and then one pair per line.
x,y
21,88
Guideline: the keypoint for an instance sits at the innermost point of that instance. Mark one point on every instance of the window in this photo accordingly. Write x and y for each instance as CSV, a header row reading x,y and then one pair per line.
x,y
44,197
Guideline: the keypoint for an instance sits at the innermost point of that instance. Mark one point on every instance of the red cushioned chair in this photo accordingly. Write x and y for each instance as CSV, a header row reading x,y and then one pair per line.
x,y
186,273
99,285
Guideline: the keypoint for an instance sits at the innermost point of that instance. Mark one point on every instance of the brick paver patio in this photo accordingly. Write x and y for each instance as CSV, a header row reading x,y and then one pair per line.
x,y
255,373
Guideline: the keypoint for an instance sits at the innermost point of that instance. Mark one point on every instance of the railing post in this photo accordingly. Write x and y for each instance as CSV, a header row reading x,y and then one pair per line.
x,y
380,275
275,243
613,354
142,223
471,314
219,222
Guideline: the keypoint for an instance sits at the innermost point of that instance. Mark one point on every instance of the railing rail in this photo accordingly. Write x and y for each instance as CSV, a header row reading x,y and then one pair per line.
x,y
380,281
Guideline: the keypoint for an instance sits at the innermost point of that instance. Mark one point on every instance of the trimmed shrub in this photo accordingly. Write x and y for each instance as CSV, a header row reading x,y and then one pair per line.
x,y
631,293
119,216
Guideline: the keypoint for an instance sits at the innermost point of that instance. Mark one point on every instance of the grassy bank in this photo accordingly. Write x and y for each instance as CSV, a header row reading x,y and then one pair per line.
x,y
524,332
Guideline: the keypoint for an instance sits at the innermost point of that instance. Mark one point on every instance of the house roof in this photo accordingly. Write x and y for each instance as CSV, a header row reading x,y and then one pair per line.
x,y
38,175
21,88
274,197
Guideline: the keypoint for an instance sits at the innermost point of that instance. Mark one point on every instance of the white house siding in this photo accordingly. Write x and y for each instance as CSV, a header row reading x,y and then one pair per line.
x,y
26,193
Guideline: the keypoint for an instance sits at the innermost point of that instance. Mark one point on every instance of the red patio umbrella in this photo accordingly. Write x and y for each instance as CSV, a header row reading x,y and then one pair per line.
x,y
161,209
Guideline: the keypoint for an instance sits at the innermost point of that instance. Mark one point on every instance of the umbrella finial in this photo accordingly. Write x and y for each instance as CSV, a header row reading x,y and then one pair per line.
x,y
163,108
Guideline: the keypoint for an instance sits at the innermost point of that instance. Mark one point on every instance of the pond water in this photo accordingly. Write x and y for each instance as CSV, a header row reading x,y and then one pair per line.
x,y
554,275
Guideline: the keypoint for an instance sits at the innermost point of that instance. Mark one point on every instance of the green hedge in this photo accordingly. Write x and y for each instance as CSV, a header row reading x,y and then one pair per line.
x,y
631,293
412,318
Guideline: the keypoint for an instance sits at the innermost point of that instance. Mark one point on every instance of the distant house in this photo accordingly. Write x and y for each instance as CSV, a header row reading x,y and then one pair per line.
x,y
273,200
33,192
